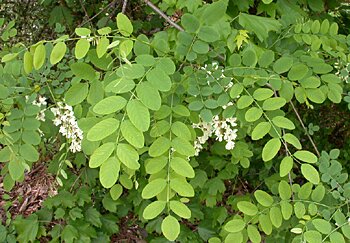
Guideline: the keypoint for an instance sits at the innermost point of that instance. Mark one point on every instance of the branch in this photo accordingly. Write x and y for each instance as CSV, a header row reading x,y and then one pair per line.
x,y
125,3
164,16
305,129
102,10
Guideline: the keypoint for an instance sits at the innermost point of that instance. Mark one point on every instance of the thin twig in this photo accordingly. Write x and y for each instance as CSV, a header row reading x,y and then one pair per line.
x,y
125,3
102,10
160,12
305,129
172,23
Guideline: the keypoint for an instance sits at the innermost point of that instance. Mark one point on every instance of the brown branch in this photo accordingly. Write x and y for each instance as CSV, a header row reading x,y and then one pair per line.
x,y
125,3
305,129
164,16
102,10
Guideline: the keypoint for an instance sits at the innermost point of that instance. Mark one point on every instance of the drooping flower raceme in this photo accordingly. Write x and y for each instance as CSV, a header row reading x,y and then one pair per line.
x,y
222,129
40,102
68,125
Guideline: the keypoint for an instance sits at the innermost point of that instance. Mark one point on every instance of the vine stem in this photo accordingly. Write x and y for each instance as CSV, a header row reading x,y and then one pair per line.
x,y
305,129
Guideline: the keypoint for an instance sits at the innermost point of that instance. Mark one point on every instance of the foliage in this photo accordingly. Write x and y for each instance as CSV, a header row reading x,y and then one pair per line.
x,y
123,114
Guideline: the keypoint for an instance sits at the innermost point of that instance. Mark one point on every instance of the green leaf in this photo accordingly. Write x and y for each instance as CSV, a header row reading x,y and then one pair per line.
x,y
101,154
276,216
128,156
247,208
76,94
110,105
160,146
283,122
263,198
159,79
9,57
253,234
208,34
337,237
318,193
286,209
275,103
333,29
26,228
324,26
271,149
120,86
265,223
293,140
149,96
298,71
116,191
306,156
200,47
153,209
235,225
83,71
102,46
182,187
39,56
170,228
286,166
183,147
109,172
181,130
312,236
322,226
103,129
261,26
310,173
249,58
283,64
124,25
190,23
154,165
316,95
214,12
262,94
236,90
29,153
182,167
138,115
266,58
253,114
132,134
284,190
125,48
244,101
82,31
81,48
153,188
58,52
335,93
261,130
180,209
16,168
28,62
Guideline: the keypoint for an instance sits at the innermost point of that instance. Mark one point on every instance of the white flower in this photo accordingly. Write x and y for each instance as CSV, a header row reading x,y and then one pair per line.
x,y
64,117
222,129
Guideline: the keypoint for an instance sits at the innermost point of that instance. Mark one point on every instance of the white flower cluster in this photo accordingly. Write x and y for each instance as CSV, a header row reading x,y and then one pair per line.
x,y
222,129
215,67
343,71
68,125
41,101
